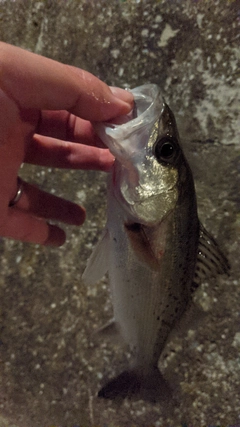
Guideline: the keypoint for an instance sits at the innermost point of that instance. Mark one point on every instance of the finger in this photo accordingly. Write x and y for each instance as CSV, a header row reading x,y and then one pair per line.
x,y
20,225
45,151
44,205
37,82
68,127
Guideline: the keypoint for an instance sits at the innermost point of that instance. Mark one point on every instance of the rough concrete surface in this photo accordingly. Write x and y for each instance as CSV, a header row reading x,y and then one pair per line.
x,y
51,364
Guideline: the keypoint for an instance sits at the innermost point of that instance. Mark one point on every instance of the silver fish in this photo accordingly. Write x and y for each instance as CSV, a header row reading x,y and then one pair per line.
x,y
154,248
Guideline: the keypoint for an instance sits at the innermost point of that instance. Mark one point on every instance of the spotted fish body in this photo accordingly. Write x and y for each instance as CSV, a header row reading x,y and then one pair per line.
x,y
151,246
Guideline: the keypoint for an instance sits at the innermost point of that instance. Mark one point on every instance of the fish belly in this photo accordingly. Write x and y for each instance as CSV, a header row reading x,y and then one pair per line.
x,y
139,300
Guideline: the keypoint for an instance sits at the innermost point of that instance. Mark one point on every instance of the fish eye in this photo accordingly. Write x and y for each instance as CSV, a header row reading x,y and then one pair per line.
x,y
165,150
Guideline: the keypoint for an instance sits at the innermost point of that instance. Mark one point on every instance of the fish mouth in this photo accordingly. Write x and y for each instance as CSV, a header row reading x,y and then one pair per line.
x,y
127,135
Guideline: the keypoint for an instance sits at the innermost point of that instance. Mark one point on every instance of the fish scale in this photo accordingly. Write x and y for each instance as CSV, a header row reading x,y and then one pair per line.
x,y
154,248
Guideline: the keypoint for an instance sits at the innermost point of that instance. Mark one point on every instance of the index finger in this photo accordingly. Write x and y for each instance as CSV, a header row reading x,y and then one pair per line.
x,y
34,81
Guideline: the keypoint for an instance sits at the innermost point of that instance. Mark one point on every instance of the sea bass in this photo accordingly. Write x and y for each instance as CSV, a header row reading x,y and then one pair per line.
x,y
154,248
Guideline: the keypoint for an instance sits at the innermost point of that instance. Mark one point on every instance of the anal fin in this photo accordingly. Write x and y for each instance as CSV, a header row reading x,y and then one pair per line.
x,y
109,331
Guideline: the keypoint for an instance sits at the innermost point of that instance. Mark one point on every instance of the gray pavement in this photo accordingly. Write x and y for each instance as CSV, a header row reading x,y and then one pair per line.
x,y
51,365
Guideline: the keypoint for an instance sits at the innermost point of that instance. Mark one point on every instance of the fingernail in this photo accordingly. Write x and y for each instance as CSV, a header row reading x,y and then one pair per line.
x,y
106,160
123,95
56,236
78,215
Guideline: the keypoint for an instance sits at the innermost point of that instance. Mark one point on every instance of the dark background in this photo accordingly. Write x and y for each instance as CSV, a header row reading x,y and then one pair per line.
x,y
51,366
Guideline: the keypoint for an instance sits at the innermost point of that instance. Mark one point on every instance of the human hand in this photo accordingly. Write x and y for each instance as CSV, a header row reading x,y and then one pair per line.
x,y
45,113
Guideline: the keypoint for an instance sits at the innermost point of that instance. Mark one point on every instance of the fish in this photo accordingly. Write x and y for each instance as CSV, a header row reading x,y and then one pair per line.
x,y
154,248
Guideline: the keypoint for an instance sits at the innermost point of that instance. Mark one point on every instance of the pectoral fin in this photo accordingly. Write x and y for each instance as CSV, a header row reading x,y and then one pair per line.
x,y
210,259
97,264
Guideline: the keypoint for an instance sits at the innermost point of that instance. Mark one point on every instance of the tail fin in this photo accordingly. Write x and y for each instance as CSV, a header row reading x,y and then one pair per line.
x,y
150,386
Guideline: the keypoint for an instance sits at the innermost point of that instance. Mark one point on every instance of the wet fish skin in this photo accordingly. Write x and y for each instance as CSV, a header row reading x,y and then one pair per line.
x,y
151,245
155,261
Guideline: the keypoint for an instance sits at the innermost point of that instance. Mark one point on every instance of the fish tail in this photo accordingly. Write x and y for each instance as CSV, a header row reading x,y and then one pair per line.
x,y
148,385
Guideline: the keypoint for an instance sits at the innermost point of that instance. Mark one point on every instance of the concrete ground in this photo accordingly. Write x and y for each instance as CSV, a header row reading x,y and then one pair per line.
x,y
51,365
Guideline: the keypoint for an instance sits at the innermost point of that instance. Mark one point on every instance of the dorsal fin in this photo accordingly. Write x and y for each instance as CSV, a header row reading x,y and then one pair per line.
x,y
210,259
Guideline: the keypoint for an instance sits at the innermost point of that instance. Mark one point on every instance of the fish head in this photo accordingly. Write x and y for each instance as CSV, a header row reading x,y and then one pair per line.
x,y
148,157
